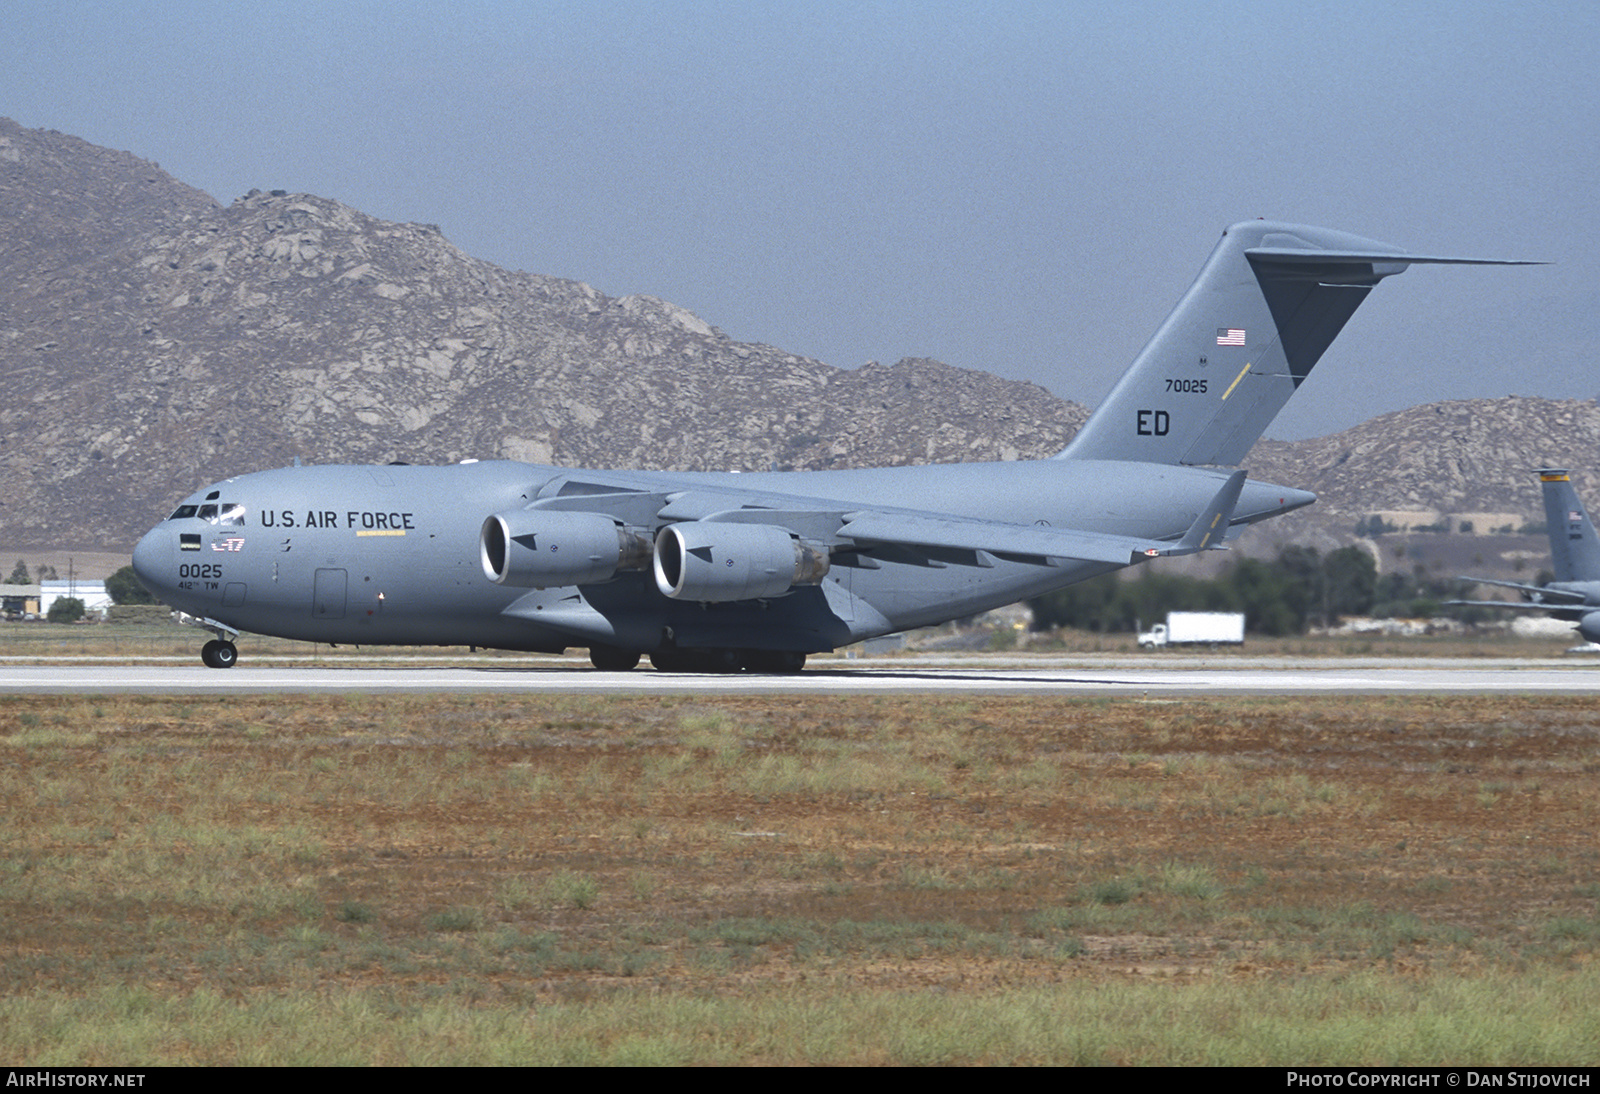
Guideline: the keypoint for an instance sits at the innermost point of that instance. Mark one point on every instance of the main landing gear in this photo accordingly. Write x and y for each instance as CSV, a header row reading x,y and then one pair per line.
x,y
764,662
772,662
219,654
611,659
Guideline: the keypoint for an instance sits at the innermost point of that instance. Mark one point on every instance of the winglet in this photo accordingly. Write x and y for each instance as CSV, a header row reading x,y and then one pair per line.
x,y
1211,526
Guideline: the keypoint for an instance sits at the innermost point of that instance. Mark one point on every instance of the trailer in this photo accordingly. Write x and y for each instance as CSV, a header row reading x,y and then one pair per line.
x,y
1195,629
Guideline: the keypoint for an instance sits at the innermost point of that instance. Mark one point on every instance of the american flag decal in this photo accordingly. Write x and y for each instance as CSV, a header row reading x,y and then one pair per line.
x,y
1574,516
1230,336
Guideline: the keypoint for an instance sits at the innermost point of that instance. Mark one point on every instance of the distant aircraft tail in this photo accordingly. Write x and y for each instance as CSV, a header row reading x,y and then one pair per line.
x,y
1574,547
1268,302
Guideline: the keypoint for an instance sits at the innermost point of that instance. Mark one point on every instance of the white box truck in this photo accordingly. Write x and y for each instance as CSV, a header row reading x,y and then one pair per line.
x,y
1194,629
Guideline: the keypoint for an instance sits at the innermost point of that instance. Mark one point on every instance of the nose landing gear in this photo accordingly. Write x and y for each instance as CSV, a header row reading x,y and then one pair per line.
x,y
219,654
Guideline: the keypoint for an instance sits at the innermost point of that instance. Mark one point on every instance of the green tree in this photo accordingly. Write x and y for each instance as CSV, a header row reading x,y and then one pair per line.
x,y
1267,598
126,588
19,574
1086,605
1352,582
1155,594
65,609
1304,585
1277,598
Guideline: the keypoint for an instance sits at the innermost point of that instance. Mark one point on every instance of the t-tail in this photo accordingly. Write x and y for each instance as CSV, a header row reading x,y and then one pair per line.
x,y
1267,304
1574,547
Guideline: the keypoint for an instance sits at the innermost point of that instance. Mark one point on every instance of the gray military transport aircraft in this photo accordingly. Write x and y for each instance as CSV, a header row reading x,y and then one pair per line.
x,y
718,572
1574,595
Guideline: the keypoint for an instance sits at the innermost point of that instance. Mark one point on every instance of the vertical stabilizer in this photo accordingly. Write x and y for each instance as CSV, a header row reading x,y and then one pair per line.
x,y
1574,547
1268,302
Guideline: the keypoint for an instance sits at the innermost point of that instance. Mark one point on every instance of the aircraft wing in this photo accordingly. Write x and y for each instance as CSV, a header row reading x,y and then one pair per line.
x,y
1039,541
1031,541
1546,598
1510,605
942,538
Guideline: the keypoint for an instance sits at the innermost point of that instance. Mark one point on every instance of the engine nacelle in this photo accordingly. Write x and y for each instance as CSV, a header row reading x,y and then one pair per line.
x,y
1589,627
713,561
544,548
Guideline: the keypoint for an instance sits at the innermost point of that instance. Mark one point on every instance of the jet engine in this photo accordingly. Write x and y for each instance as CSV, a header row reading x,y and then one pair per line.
x,y
1589,627
542,548
714,561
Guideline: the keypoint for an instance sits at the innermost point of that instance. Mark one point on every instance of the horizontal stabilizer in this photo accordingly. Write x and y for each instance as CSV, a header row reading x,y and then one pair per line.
x,y
1375,258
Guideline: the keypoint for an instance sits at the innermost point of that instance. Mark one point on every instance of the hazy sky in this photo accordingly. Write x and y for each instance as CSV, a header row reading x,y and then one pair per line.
x,y
1025,188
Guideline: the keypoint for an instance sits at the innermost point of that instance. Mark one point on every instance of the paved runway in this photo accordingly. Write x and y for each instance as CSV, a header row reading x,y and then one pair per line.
x,y
930,676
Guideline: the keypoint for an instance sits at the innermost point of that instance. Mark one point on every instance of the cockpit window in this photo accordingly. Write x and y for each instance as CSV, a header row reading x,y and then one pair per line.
x,y
227,514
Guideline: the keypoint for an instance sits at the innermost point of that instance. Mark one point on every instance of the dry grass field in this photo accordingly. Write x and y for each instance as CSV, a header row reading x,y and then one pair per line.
x,y
538,879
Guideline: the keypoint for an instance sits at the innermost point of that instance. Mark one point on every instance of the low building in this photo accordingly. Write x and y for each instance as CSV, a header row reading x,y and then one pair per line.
x,y
92,593
17,601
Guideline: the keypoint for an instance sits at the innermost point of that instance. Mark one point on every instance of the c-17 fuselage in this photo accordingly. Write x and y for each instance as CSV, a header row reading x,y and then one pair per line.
x,y
397,555
720,571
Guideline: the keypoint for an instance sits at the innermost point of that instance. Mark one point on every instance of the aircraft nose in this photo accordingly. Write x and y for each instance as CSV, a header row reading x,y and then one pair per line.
x,y
152,559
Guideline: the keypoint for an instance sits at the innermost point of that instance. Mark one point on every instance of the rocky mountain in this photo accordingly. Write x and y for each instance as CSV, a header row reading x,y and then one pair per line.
x,y
1466,456
153,340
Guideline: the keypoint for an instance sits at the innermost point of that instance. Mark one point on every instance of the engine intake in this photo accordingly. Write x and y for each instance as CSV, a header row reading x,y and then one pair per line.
x,y
542,548
715,561
1589,627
